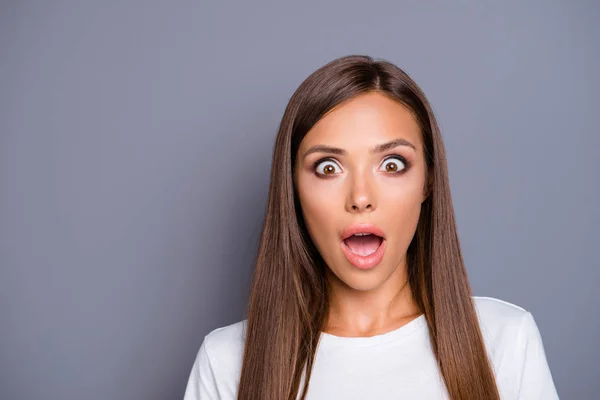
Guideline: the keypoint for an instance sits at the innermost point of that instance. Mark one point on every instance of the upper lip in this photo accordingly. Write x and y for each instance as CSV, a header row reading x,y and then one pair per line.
x,y
361,228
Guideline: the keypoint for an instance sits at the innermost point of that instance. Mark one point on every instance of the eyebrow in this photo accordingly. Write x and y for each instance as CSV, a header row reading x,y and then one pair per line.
x,y
375,150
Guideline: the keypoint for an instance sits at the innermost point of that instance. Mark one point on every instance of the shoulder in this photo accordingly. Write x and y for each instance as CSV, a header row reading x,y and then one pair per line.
x,y
225,345
514,344
508,331
495,311
500,320
218,364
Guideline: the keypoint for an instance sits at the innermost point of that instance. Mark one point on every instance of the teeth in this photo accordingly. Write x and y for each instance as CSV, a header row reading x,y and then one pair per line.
x,y
361,234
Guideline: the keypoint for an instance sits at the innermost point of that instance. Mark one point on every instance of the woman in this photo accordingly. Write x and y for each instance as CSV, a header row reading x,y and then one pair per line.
x,y
359,289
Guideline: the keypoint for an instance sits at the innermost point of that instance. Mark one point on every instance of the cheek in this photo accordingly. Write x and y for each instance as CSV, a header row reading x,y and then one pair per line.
x,y
402,205
319,203
400,199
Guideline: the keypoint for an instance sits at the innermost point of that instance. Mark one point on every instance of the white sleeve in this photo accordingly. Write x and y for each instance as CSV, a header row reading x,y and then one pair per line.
x,y
201,383
536,378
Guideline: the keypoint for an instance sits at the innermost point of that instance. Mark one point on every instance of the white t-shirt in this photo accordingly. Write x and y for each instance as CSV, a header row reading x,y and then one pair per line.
x,y
395,365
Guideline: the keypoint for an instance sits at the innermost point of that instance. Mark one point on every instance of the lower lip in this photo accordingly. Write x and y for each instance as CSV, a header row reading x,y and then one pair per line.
x,y
364,262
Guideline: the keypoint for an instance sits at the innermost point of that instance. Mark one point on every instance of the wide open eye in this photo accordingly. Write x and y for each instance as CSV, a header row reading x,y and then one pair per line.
x,y
327,167
393,164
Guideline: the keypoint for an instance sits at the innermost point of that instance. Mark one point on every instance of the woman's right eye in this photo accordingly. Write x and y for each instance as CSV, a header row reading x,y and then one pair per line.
x,y
327,167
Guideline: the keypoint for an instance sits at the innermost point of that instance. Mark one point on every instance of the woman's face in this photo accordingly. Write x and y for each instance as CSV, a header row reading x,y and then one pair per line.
x,y
360,171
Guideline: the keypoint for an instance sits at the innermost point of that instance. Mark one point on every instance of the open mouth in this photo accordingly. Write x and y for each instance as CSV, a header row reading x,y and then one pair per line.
x,y
363,244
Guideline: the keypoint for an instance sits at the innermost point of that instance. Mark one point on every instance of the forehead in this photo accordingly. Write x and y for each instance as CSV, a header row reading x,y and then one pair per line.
x,y
364,121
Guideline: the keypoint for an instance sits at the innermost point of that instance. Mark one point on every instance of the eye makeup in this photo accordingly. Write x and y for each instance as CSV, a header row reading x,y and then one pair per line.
x,y
315,166
320,161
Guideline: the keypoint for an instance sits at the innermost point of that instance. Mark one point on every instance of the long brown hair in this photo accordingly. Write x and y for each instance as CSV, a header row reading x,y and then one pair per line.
x,y
289,300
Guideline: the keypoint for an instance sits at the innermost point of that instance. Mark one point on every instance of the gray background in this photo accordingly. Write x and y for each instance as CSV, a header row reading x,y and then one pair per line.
x,y
135,150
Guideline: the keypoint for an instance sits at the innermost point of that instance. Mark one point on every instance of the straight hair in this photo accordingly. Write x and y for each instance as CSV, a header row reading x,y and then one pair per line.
x,y
289,298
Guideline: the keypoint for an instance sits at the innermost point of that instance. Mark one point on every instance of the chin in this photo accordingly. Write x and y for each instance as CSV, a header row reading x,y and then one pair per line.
x,y
365,285
363,280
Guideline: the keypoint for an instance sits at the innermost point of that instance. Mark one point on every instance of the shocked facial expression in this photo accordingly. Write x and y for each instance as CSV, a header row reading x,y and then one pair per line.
x,y
360,176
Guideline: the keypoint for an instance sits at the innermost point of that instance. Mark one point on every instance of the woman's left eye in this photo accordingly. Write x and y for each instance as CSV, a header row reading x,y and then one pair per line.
x,y
393,164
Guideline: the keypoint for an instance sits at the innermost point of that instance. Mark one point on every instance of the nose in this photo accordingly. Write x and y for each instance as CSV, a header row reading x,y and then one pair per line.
x,y
361,196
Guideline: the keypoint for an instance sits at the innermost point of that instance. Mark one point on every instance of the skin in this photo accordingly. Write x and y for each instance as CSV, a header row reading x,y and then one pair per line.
x,y
361,186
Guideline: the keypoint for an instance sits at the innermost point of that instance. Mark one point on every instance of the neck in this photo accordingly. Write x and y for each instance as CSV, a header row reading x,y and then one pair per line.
x,y
370,312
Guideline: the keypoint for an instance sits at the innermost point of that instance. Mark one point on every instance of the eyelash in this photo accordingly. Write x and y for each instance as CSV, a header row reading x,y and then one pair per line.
x,y
393,156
